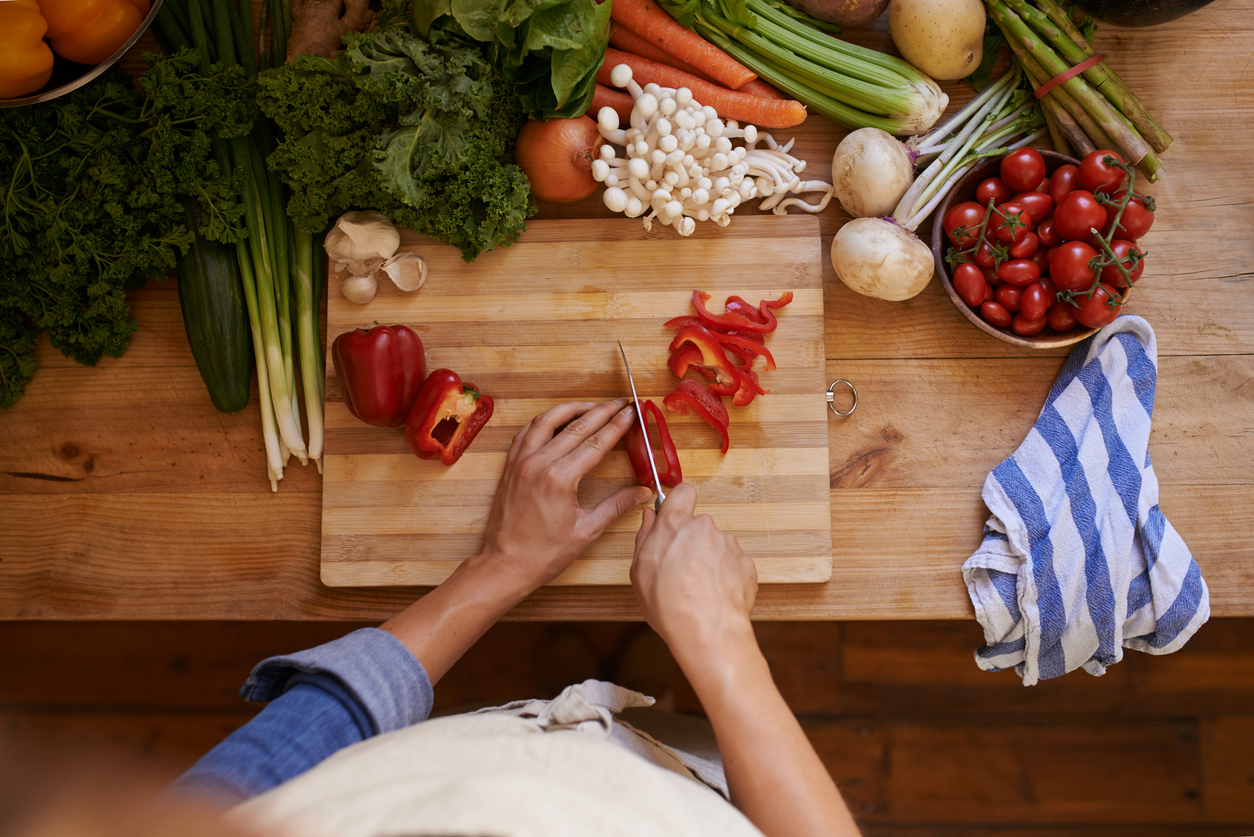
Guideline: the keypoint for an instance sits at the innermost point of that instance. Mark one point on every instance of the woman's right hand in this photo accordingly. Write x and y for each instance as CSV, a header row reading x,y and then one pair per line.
x,y
694,583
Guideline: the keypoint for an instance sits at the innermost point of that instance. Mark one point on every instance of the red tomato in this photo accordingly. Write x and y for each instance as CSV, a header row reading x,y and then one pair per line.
x,y
970,284
1095,174
1021,272
1037,204
990,276
1008,296
988,292
1051,290
985,257
1012,222
1033,303
1046,233
1136,220
962,223
1024,247
1026,327
995,314
1023,169
1094,311
1044,186
1111,274
1063,180
1041,258
1076,214
1049,254
1061,316
1069,267
994,188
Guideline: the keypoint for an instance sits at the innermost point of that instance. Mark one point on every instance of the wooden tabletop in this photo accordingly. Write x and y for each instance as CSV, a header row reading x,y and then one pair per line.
x,y
125,495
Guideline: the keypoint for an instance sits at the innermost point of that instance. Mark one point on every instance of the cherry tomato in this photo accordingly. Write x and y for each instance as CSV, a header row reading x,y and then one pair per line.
x,y
1095,174
1041,259
1094,312
965,217
1033,303
990,276
1044,186
970,284
985,257
1008,296
1023,169
1136,220
1026,327
995,314
1061,316
1110,273
988,292
1024,247
1051,290
994,188
1021,272
1012,221
1069,267
1047,234
1064,179
1076,214
1037,204
1049,254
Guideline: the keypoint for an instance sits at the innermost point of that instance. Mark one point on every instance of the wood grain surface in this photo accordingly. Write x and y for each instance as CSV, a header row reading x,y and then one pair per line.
x,y
538,324
124,495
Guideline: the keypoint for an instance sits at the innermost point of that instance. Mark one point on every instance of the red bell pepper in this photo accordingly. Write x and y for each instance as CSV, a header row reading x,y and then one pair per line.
x,y
446,417
735,318
732,341
669,471
380,372
690,395
714,361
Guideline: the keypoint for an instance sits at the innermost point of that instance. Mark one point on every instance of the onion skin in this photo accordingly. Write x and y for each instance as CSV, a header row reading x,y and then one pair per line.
x,y
877,258
557,157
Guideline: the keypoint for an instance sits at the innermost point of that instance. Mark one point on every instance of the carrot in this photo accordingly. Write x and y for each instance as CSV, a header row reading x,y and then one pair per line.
x,y
730,104
647,19
608,97
628,41
760,88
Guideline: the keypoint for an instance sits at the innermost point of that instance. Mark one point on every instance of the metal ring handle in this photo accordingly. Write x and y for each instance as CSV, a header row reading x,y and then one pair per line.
x,y
831,398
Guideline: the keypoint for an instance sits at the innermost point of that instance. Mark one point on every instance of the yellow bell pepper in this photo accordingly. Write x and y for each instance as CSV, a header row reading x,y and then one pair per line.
x,y
90,31
25,60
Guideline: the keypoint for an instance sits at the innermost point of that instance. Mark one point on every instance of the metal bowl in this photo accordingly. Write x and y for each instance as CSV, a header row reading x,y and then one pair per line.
x,y
965,191
69,75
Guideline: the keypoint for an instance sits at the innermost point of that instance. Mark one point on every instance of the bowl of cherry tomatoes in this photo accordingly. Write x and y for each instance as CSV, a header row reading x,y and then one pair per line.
x,y
1016,252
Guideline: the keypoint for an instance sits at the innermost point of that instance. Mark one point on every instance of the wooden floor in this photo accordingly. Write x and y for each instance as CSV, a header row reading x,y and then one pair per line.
x,y
920,741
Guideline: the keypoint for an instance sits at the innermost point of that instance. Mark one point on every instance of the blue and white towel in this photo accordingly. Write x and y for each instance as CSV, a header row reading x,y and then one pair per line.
x,y
1078,561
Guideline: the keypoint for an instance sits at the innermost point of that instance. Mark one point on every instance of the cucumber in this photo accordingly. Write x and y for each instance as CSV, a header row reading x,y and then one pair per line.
x,y
211,295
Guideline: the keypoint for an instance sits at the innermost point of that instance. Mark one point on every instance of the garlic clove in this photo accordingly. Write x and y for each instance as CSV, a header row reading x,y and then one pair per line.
x,y
359,241
406,270
359,289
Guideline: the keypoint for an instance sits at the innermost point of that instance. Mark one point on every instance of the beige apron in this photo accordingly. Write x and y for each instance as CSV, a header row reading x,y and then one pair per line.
x,y
527,769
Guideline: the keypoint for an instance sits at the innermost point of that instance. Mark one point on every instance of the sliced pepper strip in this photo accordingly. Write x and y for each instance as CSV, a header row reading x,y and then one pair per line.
x,y
669,472
446,417
690,395
736,318
742,347
735,344
714,361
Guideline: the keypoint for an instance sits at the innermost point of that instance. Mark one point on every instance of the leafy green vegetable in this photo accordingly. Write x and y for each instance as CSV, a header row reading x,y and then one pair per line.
x,y
420,130
550,49
982,76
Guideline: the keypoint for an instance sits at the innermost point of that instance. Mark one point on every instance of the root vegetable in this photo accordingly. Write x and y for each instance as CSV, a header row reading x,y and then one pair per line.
x,y
318,25
875,257
848,13
557,157
871,171
943,38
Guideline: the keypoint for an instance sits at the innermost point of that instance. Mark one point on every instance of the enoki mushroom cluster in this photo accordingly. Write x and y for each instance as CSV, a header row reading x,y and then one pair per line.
x,y
680,165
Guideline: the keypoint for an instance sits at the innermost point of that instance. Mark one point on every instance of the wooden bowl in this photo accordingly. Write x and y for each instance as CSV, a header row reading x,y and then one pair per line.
x,y
965,191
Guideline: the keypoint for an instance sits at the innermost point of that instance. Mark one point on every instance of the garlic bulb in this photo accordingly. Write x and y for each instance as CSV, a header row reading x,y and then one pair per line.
x,y
360,289
406,270
359,241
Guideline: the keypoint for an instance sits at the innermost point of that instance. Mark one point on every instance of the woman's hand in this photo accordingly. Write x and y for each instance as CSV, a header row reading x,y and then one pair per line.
x,y
694,583
536,527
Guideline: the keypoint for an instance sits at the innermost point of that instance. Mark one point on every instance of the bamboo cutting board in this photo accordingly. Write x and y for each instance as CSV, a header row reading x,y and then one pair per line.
x,y
536,324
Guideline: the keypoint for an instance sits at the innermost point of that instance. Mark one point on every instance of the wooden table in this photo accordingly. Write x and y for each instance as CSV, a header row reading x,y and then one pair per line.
x,y
125,495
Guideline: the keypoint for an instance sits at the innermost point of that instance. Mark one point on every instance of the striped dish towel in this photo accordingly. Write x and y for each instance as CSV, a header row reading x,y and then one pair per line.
x,y
1078,561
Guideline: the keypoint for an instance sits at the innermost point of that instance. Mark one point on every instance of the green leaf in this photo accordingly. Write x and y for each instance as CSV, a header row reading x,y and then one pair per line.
x,y
427,12
982,76
478,17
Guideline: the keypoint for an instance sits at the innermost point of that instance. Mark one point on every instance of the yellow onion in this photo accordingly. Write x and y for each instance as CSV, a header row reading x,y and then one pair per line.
x,y
557,157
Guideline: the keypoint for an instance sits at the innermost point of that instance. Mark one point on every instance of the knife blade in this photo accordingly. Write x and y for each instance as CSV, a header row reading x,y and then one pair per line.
x,y
644,428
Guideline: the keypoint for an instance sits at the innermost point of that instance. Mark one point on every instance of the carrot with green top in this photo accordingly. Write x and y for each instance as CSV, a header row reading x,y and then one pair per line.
x,y
648,20
730,104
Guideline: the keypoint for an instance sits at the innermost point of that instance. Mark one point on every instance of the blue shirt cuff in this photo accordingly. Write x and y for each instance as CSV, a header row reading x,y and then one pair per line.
x,y
380,673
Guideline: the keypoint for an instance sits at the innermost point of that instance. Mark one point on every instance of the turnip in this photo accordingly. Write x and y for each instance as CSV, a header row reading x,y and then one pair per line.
x,y
871,171
875,257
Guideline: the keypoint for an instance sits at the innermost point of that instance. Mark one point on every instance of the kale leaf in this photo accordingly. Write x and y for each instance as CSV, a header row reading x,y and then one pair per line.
x,y
421,130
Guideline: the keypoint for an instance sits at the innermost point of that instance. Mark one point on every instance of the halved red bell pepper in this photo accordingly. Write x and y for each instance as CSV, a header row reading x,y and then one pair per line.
x,y
668,471
380,372
735,318
690,395
446,417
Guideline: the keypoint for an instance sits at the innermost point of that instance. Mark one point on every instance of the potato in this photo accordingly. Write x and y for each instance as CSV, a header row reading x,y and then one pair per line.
x,y
943,38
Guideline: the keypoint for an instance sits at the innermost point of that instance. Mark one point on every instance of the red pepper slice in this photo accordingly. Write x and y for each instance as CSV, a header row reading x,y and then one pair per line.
x,y
735,319
379,372
749,387
714,361
446,417
669,473
692,395
736,305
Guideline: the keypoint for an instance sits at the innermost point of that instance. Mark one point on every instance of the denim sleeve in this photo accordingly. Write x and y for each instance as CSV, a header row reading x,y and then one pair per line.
x,y
321,700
